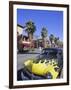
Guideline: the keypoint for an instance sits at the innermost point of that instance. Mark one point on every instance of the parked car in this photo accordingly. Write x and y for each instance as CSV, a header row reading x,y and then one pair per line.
x,y
52,56
52,53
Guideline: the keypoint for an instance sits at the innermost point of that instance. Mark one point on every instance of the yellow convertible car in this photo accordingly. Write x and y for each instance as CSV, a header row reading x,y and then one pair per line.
x,y
43,68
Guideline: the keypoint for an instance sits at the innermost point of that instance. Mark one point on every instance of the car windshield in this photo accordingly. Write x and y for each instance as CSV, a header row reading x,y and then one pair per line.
x,y
49,54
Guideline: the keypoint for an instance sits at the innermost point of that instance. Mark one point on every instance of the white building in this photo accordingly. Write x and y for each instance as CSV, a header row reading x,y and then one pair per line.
x,y
20,29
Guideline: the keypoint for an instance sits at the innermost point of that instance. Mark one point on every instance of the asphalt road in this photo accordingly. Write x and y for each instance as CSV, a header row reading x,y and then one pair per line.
x,y
23,57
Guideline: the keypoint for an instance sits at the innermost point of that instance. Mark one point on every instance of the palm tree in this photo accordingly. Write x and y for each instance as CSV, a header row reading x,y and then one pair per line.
x,y
37,41
61,44
44,33
30,29
56,39
51,37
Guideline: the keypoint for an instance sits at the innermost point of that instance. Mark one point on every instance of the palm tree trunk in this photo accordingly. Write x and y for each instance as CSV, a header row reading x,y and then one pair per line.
x,y
30,36
44,43
30,39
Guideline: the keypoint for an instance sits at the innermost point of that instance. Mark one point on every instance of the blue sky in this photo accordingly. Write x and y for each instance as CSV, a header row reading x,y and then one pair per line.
x,y
52,20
